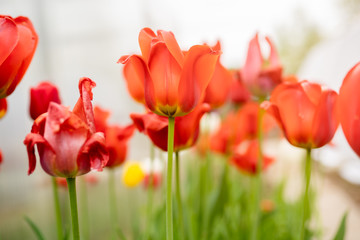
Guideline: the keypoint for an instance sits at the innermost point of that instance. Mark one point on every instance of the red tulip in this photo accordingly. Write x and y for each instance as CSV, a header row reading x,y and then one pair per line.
x,y
186,128
239,126
238,94
261,75
1,157
40,98
348,108
3,107
246,155
116,137
18,41
155,180
67,143
171,83
218,89
306,113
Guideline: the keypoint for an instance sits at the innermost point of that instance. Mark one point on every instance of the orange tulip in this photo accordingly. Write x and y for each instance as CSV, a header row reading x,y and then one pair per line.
x,y
186,128
306,113
218,89
18,41
246,155
348,108
171,83
261,75
116,137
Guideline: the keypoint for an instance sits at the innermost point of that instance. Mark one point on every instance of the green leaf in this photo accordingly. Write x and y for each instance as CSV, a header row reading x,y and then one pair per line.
x,y
35,228
120,234
340,234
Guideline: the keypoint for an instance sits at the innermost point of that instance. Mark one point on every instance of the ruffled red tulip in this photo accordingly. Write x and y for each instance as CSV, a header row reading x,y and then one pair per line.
x,y
116,137
67,143
40,98
306,113
3,107
171,82
186,128
348,108
217,91
261,75
246,155
18,41
238,94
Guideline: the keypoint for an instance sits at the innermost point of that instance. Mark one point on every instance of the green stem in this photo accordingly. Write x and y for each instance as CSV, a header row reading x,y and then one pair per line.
x,y
73,207
181,229
150,192
306,203
57,209
169,219
112,203
258,178
84,208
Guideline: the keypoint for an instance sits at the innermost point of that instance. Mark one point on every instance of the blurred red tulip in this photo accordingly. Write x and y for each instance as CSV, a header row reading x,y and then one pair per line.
x,y
18,41
116,137
261,75
171,83
156,180
238,94
3,107
217,91
186,128
246,155
239,126
306,113
348,108
40,98
1,157
67,143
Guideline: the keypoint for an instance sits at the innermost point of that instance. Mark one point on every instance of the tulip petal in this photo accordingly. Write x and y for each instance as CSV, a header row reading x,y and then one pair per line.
x,y
165,75
198,69
146,36
274,59
30,141
325,120
8,37
101,117
41,96
83,107
172,46
253,62
15,66
135,73
349,109
93,155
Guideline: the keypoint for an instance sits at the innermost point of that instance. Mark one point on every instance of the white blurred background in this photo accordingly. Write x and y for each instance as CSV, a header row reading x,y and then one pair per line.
x,y
318,40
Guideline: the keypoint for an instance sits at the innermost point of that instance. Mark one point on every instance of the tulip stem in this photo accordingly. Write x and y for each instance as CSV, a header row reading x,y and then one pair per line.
x,y
178,197
306,203
258,178
57,209
84,208
150,192
73,207
112,202
169,219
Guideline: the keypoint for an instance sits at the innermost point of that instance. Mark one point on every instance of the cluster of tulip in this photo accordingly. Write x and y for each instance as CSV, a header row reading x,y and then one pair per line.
x,y
177,88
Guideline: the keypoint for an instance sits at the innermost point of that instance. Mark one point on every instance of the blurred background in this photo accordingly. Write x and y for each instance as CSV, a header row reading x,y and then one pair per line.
x,y
317,40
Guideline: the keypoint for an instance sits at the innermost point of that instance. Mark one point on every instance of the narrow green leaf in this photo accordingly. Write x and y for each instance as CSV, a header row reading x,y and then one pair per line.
x,y
35,228
340,234
120,234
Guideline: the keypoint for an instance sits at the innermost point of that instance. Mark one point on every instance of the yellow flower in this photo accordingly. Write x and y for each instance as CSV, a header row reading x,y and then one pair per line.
x,y
133,174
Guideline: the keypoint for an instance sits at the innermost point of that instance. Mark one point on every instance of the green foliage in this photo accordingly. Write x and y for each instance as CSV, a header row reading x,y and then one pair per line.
x,y
35,228
340,234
